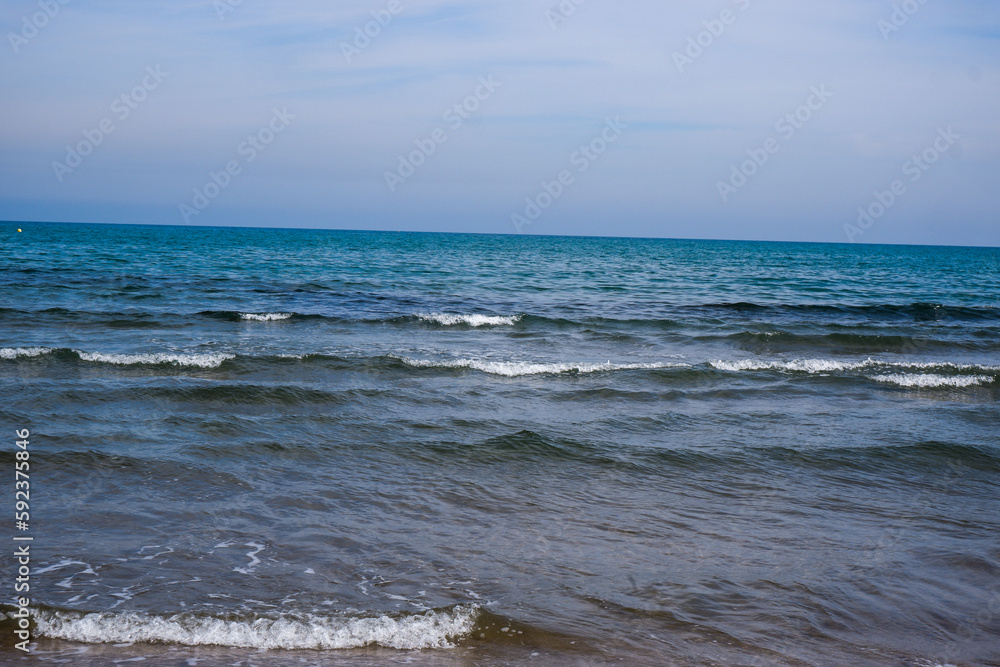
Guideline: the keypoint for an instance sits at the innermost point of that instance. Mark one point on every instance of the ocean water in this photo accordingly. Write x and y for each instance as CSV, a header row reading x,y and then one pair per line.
x,y
286,447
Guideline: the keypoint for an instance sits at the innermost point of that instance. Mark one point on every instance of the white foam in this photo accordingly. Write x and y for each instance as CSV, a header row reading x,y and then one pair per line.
x,y
449,319
801,365
519,368
197,360
832,365
265,317
433,629
931,380
65,563
940,364
15,352
252,555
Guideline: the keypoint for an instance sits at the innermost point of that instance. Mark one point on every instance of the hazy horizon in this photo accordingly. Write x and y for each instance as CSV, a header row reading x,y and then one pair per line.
x,y
348,230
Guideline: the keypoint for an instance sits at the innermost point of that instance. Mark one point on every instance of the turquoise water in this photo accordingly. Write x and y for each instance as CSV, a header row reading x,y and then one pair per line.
x,y
469,449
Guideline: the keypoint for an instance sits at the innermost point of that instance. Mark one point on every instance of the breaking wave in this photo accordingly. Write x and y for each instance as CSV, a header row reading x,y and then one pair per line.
x,y
265,317
157,358
928,380
519,368
831,365
15,352
449,319
432,629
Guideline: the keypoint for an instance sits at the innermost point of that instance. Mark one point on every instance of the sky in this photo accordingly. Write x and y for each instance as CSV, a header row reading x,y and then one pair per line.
x,y
864,121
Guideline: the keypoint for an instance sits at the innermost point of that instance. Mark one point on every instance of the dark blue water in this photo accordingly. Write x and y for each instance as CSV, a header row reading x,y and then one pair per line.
x,y
363,448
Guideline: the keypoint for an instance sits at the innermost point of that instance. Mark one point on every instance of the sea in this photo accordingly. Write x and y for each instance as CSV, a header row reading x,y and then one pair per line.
x,y
308,447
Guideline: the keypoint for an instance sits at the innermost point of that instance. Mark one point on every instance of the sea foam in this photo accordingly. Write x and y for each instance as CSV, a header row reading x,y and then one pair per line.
x,y
801,365
520,368
927,380
196,360
832,365
15,352
265,317
449,319
433,629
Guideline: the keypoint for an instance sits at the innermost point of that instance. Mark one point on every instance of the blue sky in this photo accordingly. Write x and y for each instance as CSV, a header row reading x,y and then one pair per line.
x,y
592,118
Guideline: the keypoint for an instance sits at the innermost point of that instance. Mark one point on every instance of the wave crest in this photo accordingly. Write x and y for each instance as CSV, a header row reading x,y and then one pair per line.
x,y
519,368
158,358
265,317
15,352
432,629
832,365
929,380
473,320
801,365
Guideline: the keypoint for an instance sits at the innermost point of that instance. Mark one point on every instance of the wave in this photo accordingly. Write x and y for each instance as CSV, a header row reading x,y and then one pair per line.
x,y
16,352
473,320
918,311
831,365
520,368
867,339
266,317
432,629
443,319
799,365
663,315
656,459
157,358
927,380
903,373
142,359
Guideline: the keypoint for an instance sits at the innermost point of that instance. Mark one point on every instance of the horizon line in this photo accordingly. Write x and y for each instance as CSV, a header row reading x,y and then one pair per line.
x,y
517,235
